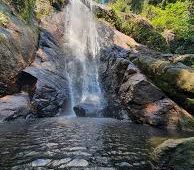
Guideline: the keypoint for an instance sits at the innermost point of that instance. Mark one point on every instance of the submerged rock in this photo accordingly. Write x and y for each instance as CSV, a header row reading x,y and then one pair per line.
x,y
87,109
40,162
175,154
78,163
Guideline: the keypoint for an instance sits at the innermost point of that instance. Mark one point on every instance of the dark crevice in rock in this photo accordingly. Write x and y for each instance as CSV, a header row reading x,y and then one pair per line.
x,y
27,83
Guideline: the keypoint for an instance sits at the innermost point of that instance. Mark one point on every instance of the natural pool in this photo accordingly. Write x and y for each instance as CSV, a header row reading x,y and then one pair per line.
x,y
77,143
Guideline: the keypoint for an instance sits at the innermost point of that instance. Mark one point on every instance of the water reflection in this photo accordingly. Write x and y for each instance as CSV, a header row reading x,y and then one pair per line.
x,y
60,143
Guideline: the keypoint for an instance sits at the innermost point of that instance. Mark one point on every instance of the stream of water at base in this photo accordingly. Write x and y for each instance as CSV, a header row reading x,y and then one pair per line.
x,y
77,143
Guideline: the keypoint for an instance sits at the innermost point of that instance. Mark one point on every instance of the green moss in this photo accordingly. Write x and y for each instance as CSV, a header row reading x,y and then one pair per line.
x,y
156,140
190,101
189,62
2,38
178,154
23,8
4,19
42,8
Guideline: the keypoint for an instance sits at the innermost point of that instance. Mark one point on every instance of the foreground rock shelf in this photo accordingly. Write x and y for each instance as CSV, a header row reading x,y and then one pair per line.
x,y
175,154
14,106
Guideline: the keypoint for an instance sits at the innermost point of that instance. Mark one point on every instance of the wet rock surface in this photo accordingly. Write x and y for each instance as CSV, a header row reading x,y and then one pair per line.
x,y
124,84
88,143
36,66
18,43
173,74
175,154
51,95
86,110
14,106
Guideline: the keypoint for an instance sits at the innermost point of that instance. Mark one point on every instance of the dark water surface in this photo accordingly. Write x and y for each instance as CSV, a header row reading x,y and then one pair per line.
x,y
77,143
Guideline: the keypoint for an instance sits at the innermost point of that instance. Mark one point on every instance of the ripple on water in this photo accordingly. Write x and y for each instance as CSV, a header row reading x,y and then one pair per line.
x,y
40,162
77,143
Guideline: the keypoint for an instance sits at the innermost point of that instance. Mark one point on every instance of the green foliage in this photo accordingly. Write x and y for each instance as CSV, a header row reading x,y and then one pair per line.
x,y
120,6
189,62
135,26
26,8
174,16
135,6
4,20
27,11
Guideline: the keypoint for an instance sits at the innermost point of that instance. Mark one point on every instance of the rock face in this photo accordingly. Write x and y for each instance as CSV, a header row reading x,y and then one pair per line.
x,y
175,154
161,69
51,95
125,85
14,106
17,48
36,68
172,75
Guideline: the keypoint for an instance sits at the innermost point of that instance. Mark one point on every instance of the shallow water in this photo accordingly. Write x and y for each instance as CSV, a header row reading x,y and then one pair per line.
x,y
77,143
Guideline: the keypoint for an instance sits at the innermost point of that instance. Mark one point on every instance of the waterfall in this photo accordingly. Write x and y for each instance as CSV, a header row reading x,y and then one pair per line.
x,y
81,42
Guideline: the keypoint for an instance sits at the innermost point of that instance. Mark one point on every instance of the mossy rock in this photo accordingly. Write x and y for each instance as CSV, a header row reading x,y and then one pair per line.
x,y
175,154
42,9
4,19
24,9
175,79
18,44
182,78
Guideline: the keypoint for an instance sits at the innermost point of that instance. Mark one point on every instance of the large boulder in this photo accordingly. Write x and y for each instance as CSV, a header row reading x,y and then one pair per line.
x,y
51,95
18,43
91,106
86,110
173,75
174,154
124,84
37,68
14,106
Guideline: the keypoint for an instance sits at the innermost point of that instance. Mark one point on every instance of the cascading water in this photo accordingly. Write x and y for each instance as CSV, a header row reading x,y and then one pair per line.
x,y
81,42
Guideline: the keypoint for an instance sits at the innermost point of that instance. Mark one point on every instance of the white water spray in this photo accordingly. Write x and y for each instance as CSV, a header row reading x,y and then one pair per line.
x,y
81,39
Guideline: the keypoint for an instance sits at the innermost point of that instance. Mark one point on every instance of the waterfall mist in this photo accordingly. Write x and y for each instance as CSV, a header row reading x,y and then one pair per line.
x,y
81,42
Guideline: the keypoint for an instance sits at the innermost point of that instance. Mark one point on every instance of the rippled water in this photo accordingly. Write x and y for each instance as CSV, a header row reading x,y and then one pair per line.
x,y
76,143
